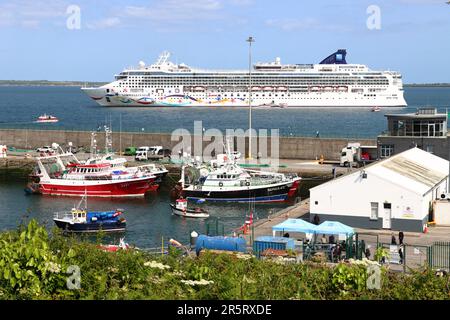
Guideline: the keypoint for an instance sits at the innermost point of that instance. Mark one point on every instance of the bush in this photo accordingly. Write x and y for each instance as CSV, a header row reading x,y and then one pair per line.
x,y
33,265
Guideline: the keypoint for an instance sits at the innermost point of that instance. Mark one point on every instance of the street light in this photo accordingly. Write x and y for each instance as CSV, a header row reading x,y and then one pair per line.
x,y
250,40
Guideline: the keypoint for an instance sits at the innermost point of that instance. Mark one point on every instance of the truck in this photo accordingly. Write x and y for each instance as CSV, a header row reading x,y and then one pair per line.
x,y
154,152
354,154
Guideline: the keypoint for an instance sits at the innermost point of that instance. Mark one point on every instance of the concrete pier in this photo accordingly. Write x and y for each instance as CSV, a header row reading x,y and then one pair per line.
x,y
294,148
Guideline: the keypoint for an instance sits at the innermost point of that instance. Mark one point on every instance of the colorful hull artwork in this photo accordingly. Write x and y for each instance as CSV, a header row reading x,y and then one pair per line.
x,y
170,101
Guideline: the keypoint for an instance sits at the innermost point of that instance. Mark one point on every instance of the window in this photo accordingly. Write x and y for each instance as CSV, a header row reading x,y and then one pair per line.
x,y
387,150
374,211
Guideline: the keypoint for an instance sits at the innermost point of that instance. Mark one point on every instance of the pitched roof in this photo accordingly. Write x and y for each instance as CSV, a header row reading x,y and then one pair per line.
x,y
416,170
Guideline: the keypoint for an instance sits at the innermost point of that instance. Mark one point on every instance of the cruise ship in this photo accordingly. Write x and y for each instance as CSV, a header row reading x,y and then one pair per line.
x,y
331,83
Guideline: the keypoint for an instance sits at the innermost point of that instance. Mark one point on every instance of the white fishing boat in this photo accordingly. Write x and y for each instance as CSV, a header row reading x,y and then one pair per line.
x,y
180,208
47,119
376,109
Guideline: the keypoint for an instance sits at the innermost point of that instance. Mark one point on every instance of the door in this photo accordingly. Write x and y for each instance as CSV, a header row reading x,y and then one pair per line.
x,y
431,130
387,216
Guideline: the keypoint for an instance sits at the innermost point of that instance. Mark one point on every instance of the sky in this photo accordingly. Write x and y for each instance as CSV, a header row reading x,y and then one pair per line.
x,y
93,40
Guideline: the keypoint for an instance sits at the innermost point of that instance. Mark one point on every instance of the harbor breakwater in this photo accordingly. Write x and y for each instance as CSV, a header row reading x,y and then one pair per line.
x,y
297,148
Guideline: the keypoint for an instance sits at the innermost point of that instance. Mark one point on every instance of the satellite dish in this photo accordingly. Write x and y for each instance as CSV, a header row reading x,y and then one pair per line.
x,y
55,145
141,64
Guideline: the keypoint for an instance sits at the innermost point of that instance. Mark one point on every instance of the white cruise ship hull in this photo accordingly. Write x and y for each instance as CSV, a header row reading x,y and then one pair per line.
x,y
295,100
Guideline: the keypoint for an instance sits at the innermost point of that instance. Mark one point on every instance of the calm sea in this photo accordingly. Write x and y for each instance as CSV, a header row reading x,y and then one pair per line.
x,y
150,220
20,106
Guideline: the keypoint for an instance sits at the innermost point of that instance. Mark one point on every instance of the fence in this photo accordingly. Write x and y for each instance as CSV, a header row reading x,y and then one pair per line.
x,y
215,228
439,255
404,257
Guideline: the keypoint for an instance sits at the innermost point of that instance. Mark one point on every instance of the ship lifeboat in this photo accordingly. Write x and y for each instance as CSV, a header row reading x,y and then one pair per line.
x,y
199,89
268,88
315,89
256,88
282,89
342,89
328,89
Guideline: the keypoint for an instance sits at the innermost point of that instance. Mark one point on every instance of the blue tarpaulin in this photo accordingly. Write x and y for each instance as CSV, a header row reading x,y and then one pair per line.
x,y
333,227
294,225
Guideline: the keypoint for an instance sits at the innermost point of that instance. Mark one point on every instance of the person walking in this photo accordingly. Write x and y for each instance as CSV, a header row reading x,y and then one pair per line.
x,y
400,237
400,253
393,240
316,219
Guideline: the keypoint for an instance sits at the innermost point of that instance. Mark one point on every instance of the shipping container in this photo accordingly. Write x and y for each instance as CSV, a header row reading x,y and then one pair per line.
x,y
277,243
221,243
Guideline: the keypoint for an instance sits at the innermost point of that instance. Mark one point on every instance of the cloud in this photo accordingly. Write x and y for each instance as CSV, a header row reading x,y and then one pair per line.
x,y
303,24
29,13
104,23
428,2
172,11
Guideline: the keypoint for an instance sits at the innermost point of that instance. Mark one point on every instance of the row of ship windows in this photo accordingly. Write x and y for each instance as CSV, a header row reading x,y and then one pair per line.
x,y
243,83
256,77
243,88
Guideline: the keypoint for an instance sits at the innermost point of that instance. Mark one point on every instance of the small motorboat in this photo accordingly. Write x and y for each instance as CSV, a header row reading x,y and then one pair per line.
x,y
376,109
47,119
81,220
114,247
180,208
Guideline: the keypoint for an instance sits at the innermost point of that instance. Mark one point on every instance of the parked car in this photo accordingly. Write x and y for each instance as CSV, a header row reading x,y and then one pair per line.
x,y
130,151
165,152
45,149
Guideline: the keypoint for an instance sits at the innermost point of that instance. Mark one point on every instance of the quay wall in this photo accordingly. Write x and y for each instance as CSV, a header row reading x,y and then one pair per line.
x,y
299,148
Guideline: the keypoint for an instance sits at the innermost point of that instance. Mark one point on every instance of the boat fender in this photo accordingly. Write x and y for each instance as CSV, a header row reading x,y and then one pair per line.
x,y
175,243
220,184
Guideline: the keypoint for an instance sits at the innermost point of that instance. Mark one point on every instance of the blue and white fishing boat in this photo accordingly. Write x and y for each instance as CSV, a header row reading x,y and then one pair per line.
x,y
79,219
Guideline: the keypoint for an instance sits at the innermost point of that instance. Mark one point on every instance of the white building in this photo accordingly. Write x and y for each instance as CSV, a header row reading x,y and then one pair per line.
x,y
396,193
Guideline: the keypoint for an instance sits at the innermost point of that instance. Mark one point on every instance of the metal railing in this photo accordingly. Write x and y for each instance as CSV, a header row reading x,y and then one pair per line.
x,y
439,255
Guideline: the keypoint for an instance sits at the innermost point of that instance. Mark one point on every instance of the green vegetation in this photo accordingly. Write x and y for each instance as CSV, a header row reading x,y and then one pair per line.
x,y
33,266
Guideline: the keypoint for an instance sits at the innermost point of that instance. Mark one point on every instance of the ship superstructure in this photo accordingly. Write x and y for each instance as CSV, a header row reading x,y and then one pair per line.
x,y
331,83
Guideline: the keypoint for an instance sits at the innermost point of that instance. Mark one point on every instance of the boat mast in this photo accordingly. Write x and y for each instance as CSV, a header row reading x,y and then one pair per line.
x,y
108,140
250,40
93,145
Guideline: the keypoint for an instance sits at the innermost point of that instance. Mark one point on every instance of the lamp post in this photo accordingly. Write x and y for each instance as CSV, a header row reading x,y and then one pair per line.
x,y
448,147
250,40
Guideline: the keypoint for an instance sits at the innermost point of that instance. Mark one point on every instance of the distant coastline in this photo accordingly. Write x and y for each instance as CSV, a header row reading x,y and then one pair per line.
x,y
30,83
96,84
427,85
